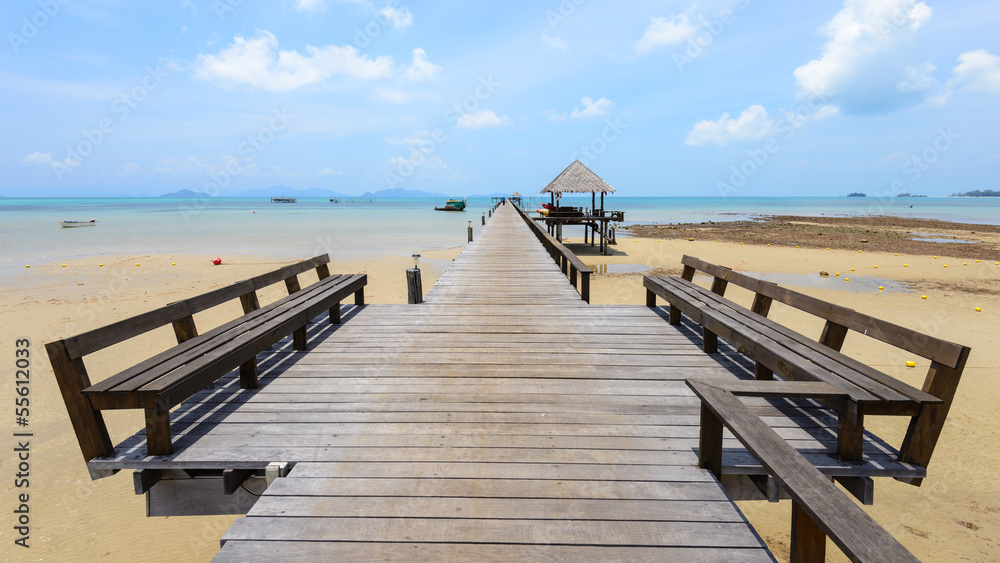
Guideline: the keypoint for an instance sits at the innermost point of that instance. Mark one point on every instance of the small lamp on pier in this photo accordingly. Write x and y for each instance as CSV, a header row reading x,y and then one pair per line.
x,y
414,287
470,231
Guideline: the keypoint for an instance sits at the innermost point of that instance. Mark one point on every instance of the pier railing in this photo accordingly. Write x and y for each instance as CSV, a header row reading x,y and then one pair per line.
x,y
568,262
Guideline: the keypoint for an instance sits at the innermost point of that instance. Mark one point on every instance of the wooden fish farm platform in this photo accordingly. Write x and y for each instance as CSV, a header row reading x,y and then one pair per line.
x,y
503,419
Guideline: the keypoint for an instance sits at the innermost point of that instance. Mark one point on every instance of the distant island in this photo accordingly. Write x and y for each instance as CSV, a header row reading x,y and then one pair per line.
x,y
907,194
856,194
979,193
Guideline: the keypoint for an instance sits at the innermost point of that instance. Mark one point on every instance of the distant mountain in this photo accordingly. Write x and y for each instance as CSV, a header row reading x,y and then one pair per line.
x,y
181,194
856,194
278,191
979,193
400,192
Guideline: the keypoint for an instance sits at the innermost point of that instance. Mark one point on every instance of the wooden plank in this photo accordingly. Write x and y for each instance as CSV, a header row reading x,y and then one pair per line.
x,y
404,552
516,532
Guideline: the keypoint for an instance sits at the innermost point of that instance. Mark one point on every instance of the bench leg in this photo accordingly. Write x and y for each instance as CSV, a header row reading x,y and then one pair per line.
x,y
651,299
850,439
710,442
675,315
299,339
248,374
157,432
808,539
335,314
359,297
762,372
71,375
710,341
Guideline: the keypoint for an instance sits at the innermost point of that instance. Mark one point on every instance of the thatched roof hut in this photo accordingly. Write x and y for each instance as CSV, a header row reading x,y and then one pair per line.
x,y
578,179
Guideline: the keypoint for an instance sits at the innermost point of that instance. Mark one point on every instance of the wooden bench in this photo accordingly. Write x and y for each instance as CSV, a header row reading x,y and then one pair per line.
x,y
819,508
778,349
168,378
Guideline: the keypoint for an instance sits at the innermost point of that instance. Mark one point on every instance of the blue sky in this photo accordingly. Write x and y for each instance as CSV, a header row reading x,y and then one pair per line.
x,y
687,98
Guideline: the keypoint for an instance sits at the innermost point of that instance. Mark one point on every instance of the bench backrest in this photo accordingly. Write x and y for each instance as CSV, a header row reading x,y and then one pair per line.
x,y
838,318
179,313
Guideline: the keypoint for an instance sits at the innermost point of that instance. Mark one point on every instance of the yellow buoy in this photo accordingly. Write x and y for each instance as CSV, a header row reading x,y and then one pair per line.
x,y
100,264
965,263
911,364
828,248
945,265
741,243
847,279
64,265
136,263
860,251
769,244
923,297
979,309
895,254
175,263
852,269
796,246
28,266
880,288
977,261
905,265
837,274
876,266
935,257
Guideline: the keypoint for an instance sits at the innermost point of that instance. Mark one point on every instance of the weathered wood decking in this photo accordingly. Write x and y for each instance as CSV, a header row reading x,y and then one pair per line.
x,y
503,419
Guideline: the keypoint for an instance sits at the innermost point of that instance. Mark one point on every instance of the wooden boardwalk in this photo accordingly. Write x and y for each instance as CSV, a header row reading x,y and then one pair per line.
x,y
503,419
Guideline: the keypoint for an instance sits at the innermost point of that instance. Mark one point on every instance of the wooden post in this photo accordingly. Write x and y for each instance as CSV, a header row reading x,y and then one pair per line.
x,y
650,298
925,428
184,329
710,442
249,302
335,314
808,539
833,335
292,284
762,306
323,271
719,286
414,288
687,273
299,339
359,297
484,219
470,233
585,286
850,438
157,432
572,275
88,423
710,341
248,374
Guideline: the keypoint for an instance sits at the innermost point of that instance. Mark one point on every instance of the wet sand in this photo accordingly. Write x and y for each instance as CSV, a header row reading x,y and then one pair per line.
x,y
955,515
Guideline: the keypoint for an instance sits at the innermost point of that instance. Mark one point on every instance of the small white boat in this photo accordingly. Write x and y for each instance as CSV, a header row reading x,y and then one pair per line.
x,y
68,224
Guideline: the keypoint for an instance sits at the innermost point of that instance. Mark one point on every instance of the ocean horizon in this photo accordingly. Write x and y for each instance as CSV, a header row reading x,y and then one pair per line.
x,y
30,233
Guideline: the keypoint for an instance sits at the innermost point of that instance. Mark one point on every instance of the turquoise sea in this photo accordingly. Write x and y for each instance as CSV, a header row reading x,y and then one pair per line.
x,y
29,230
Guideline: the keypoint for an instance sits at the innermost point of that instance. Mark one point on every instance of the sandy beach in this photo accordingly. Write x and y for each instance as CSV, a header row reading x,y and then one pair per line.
x,y
955,515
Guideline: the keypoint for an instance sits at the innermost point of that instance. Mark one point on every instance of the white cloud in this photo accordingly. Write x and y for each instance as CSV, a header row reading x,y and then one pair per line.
x,y
867,63
977,71
390,95
917,79
593,108
400,18
310,5
556,42
257,62
421,68
45,159
189,165
130,167
329,172
665,31
482,119
753,123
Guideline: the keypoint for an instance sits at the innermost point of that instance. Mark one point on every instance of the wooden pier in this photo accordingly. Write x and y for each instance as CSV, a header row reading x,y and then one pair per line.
x,y
503,419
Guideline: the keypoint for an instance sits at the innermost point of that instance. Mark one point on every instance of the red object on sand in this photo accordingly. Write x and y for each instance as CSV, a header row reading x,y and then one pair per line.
x,y
217,261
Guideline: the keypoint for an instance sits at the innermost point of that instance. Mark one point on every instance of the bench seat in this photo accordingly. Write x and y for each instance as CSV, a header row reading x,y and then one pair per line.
x,y
777,349
165,380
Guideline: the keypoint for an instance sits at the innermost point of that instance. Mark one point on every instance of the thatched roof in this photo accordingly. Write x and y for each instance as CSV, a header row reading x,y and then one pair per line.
x,y
516,195
578,179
